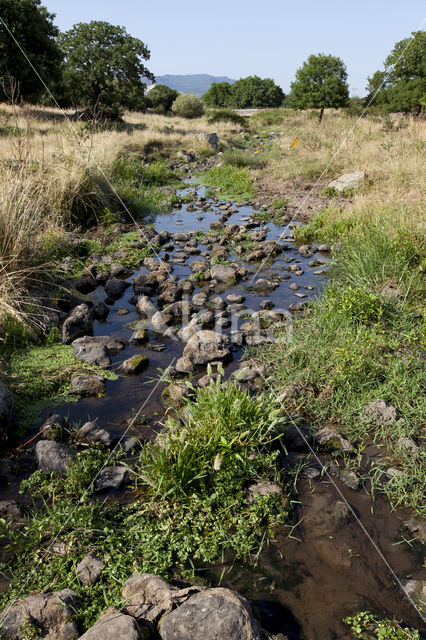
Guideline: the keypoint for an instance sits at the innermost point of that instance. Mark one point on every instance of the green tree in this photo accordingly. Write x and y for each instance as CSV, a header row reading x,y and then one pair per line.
x,y
254,93
162,97
320,83
32,27
219,95
187,105
404,76
103,68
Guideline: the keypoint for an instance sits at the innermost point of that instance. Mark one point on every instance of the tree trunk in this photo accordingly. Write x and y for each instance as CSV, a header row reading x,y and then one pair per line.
x,y
321,114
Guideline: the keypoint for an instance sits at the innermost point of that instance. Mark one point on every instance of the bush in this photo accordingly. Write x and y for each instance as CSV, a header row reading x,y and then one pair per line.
x,y
226,115
188,105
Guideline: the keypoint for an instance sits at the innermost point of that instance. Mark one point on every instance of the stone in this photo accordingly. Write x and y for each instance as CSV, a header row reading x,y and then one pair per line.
x,y
235,298
120,271
115,288
330,440
89,569
47,616
408,445
100,310
263,488
212,614
342,513
381,412
90,432
145,284
325,248
145,307
352,180
200,299
91,352
248,371
147,596
210,138
140,336
223,273
207,346
349,478
6,410
113,626
111,478
135,364
87,385
53,457
79,323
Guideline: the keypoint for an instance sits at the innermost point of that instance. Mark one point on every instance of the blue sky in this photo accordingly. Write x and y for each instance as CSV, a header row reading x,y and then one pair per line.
x,y
269,38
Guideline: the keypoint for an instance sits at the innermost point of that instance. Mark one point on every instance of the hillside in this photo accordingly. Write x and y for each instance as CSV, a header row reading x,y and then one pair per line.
x,y
197,83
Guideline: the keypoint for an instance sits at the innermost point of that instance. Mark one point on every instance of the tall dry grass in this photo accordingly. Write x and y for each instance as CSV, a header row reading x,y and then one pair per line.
x,y
51,167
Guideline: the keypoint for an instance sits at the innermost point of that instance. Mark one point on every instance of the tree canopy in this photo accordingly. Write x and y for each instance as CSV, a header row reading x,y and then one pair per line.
x,y
403,80
103,68
320,83
247,93
162,97
32,26
219,95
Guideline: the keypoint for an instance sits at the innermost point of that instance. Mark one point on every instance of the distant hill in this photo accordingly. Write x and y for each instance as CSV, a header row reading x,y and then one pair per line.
x,y
198,83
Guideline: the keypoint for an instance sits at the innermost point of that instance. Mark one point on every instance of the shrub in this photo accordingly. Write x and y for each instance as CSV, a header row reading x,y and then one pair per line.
x,y
188,105
226,115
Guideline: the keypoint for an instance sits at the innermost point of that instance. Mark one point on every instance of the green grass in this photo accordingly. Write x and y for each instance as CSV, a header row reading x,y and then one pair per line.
x,y
358,345
39,375
238,158
193,503
140,185
233,182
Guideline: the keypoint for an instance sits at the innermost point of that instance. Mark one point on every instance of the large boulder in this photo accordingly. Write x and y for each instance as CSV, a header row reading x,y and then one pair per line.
x,y
6,409
212,614
48,616
207,346
113,626
79,323
53,457
148,597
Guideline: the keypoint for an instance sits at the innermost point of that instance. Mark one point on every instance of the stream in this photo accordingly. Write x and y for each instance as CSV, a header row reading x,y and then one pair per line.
x,y
328,566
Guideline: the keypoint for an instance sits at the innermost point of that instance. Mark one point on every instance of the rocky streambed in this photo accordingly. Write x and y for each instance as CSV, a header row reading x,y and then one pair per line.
x,y
218,281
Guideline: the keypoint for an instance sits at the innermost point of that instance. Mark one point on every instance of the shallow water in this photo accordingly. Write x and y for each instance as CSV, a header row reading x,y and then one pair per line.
x,y
125,396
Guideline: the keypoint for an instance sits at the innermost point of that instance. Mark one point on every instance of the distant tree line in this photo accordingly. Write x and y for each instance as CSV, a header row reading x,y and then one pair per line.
x,y
101,67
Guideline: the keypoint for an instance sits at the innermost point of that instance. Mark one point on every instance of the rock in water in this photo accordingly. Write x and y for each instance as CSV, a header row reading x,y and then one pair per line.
x,y
207,346
79,323
212,614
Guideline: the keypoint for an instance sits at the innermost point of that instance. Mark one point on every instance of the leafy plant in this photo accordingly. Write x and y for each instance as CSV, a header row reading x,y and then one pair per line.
x,y
366,626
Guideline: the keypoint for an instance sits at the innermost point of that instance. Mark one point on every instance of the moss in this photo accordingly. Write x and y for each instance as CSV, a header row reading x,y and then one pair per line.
x,y
39,376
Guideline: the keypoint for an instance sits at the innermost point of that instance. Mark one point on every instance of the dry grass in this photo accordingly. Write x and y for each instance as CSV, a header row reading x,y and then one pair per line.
x,y
391,154
50,166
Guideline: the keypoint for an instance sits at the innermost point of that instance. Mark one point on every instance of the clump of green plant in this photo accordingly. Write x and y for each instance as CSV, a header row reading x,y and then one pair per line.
x,y
366,626
279,204
227,115
355,303
187,105
238,158
233,182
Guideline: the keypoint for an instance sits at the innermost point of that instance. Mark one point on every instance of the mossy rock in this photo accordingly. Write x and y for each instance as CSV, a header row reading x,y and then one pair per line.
x,y
135,364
